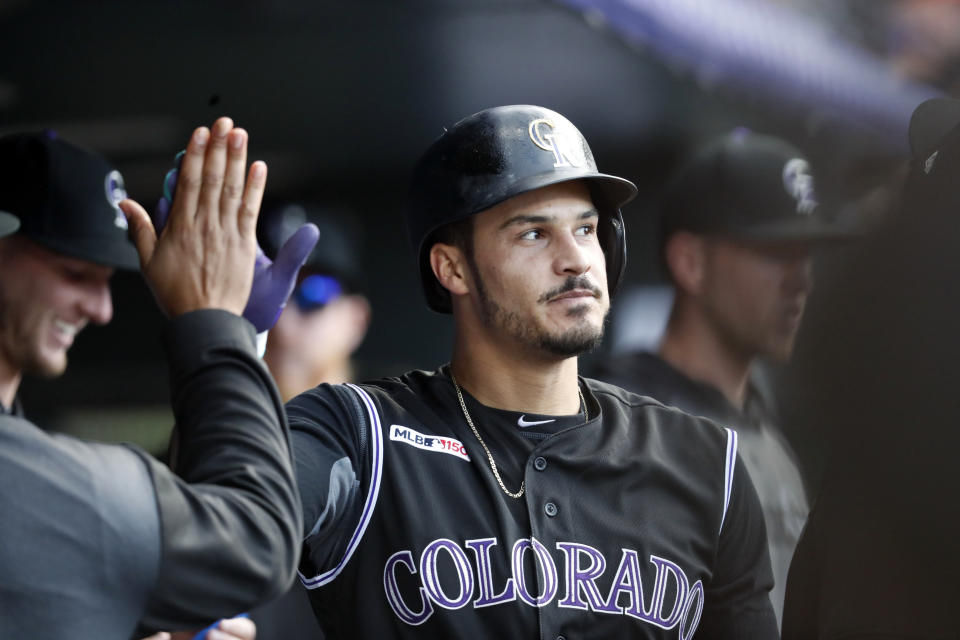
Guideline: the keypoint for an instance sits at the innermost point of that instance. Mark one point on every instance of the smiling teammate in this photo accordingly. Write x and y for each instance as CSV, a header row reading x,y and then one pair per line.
x,y
98,537
429,512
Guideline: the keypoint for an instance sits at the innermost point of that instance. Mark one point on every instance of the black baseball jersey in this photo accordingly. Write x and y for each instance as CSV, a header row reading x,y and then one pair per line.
x,y
767,455
639,521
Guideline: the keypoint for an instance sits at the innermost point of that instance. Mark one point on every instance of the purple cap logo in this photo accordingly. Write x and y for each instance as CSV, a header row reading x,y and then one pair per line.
x,y
115,192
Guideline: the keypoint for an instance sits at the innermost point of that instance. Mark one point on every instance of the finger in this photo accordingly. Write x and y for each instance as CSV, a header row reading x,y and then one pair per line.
x,y
240,627
233,179
160,635
295,250
190,176
252,197
214,167
140,229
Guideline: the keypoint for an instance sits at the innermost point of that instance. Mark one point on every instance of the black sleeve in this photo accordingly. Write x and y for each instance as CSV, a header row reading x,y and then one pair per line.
x,y
738,597
230,518
330,432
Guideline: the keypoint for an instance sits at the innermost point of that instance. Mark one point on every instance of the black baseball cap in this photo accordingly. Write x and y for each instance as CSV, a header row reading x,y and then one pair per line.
x,y
66,198
337,252
931,121
934,134
748,186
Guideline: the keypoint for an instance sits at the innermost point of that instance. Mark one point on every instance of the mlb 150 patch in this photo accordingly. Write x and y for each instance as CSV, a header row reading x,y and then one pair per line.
x,y
441,444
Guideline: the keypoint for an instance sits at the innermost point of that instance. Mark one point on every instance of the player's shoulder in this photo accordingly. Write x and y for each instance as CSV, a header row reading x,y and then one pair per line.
x,y
414,388
634,410
692,449
384,397
648,374
414,383
22,439
612,393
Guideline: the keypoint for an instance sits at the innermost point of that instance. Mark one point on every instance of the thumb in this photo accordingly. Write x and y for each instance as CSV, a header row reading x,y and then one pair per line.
x,y
295,250
141,230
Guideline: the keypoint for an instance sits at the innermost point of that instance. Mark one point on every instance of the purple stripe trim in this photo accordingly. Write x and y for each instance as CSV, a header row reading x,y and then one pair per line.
x,y
376,440
728,472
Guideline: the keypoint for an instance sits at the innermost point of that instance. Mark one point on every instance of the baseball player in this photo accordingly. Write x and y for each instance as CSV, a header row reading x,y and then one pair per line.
x,y
502,495
98,537
738,225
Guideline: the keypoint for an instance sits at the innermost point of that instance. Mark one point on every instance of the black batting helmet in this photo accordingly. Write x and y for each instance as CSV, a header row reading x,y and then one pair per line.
x,y
497,154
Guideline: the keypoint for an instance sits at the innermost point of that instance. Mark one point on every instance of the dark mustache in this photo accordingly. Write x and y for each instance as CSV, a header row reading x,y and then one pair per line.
x,y
570,284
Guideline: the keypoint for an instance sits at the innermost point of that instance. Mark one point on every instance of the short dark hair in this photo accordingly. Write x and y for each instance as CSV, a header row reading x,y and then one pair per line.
x,y
458,234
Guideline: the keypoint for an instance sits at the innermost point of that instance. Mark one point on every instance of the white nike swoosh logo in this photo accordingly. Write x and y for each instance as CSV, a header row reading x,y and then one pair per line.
x,y
528,423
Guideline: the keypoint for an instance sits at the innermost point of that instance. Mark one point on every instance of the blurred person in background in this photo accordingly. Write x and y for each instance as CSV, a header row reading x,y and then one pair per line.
x,y
879,555
327,317
100,537
312,343
738,225
922,39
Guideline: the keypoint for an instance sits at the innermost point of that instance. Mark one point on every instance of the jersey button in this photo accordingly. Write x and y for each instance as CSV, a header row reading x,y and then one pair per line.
x,y
550,509
540,463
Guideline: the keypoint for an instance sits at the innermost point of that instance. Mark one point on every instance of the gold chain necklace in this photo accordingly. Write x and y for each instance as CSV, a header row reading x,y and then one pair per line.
x,y
493,465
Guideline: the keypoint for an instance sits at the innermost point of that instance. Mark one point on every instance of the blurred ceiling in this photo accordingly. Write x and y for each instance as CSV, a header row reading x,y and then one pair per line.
x,y
328,90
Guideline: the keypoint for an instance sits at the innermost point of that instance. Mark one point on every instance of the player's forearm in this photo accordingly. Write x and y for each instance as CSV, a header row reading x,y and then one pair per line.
x,y
231,521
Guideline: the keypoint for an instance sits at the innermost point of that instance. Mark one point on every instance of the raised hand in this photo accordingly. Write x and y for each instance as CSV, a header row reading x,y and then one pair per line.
x,y
273,281
204,255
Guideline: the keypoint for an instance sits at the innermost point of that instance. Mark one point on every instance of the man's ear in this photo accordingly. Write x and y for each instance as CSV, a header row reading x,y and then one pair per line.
x,y
685,255
450,268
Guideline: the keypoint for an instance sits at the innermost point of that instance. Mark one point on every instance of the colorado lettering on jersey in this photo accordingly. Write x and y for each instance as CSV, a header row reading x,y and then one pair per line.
x,y
406,435
667,601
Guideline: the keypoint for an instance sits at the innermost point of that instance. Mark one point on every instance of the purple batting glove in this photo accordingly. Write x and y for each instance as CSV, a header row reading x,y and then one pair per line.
x,y
273,282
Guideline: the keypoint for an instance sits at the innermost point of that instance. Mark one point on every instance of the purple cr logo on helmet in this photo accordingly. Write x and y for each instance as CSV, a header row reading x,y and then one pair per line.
x,y
497,154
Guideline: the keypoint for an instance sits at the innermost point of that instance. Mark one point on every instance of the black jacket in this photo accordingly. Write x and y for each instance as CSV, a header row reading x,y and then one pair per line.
x,y
95,537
